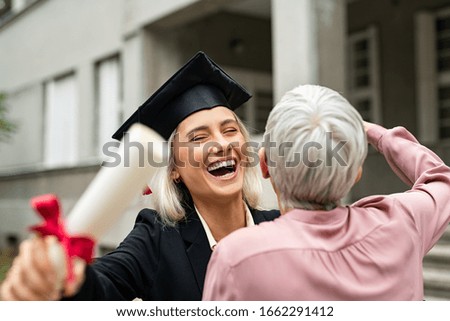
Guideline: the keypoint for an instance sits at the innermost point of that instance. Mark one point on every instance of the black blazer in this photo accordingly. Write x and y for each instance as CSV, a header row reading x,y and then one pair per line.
x,y
156,262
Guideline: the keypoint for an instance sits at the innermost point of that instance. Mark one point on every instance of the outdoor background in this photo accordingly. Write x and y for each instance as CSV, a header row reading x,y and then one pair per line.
x,y
71,71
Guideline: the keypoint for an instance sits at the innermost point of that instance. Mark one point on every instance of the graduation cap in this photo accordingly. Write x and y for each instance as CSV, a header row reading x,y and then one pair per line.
x,y
199,84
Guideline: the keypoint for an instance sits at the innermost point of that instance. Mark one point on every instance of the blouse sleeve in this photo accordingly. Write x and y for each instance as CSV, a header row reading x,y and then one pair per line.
x,y
428,200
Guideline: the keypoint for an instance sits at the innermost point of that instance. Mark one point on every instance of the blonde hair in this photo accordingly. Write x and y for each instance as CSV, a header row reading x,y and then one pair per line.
x,y
308,123
171,199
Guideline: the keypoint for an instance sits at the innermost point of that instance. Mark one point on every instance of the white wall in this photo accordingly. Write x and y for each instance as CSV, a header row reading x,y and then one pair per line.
x,y
52,38
139,13
308,39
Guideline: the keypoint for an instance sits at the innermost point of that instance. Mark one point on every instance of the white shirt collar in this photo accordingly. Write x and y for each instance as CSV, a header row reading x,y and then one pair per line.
x,y
212,242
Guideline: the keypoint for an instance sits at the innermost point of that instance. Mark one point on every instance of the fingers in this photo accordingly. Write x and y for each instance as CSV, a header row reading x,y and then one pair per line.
x,y
73,287
32,276
31,272
43,275
56,259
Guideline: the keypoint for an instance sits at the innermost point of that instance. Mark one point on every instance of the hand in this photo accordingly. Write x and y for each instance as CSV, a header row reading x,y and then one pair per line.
x,y
368,126
33,275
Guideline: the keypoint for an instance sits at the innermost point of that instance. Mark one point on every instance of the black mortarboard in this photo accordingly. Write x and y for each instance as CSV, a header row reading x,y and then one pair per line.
x,y
199,84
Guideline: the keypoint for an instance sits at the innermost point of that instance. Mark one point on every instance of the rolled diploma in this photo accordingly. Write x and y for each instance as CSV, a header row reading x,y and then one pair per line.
x,y
114,188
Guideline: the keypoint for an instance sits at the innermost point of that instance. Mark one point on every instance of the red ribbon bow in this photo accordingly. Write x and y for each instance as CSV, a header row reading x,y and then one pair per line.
x,y
146,191
48,207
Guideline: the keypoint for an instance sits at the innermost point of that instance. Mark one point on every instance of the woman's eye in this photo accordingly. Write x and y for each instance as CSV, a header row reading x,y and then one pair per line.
x,y
197,138
231,130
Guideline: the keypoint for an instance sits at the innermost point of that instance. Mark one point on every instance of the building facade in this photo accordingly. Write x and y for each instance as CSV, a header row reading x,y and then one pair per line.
x,y
73,70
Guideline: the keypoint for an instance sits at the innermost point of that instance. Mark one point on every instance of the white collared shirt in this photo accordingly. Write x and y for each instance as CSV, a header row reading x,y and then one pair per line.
x,y
212,242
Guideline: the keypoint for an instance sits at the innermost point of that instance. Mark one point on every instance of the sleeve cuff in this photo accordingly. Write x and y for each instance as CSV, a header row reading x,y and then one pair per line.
x,y
374,135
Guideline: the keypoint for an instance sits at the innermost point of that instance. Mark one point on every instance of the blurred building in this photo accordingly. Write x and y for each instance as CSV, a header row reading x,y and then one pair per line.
x,y
73,70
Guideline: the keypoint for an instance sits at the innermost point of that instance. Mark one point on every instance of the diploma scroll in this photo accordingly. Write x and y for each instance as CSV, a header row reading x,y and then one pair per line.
x,y
115,186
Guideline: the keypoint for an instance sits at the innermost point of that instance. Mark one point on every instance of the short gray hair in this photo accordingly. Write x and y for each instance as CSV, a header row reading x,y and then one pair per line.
x,y
307,119
170,198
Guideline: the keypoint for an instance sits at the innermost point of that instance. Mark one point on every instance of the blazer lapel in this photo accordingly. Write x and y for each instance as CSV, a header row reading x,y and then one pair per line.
x,y
263,216
257,216
197,246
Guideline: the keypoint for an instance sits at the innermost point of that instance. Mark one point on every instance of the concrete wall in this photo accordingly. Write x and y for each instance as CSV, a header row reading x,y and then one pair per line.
x,y
26,54
16,191
140,13
308,39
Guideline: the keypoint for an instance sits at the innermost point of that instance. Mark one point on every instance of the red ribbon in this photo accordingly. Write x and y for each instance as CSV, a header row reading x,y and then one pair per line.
x,y
48,207
147,191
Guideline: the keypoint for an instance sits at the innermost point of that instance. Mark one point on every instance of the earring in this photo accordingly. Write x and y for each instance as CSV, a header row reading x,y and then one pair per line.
x,y
177,180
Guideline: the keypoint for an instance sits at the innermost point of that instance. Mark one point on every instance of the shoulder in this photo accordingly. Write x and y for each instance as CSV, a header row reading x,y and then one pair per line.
x,y
148,216
247,242
382,205
148,220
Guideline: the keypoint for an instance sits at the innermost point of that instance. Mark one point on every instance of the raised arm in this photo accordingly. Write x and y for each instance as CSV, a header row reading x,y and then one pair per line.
x,y
428,200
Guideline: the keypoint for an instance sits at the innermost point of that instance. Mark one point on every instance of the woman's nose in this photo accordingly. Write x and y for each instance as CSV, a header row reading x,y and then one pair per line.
x,y
220,145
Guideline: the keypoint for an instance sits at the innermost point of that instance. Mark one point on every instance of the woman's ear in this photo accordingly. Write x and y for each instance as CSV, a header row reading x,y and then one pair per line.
x,y
263,162
359,175
175,176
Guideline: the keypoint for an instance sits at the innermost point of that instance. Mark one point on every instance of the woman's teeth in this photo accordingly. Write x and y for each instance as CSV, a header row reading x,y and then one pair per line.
x,y
222,168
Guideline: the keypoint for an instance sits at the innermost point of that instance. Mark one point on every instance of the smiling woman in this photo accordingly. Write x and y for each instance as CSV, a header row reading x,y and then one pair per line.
x,y
206,192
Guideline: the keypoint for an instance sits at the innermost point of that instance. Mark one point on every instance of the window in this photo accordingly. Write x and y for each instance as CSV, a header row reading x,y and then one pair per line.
x,y
363,74
61,122
433,75
108,78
